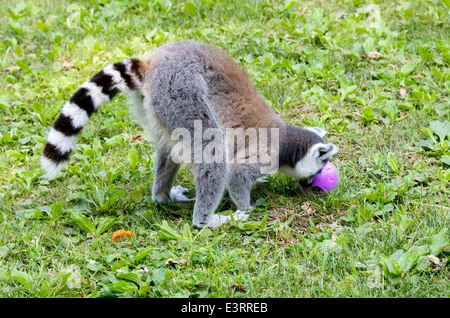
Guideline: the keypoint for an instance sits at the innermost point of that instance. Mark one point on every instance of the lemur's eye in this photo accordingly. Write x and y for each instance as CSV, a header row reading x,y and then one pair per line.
x,y
324,150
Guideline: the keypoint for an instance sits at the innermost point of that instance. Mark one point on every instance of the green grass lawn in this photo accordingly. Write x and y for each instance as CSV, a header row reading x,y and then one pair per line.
x,y
376,76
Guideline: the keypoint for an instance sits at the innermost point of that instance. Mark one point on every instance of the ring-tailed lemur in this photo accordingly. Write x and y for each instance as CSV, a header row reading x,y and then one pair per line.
x,y
177,86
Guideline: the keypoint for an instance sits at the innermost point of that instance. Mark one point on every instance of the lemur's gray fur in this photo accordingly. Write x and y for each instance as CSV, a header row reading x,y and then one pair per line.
x,y
174,86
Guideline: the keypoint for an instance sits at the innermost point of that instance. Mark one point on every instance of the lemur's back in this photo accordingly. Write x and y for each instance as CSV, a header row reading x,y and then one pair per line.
x,y
190,70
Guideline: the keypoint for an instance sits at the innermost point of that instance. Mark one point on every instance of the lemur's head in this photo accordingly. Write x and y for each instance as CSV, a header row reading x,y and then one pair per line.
x,y
307,155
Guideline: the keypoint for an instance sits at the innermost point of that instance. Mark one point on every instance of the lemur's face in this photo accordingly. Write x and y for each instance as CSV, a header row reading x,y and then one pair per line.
x,y
311,164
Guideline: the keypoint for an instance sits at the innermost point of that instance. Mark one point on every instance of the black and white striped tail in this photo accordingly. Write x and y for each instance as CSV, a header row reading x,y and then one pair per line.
x,y
61,141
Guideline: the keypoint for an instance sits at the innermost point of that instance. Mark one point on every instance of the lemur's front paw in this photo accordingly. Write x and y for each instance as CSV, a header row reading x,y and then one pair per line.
x,y
262,180
215,220
241,215
177,195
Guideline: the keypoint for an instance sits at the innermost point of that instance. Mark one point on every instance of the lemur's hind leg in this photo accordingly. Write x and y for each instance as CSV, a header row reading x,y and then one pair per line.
x,y
209,187
210,178
239,180
164,174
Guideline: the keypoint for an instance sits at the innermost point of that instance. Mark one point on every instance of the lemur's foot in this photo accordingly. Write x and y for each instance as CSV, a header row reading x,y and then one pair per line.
x,y
216,220
177,195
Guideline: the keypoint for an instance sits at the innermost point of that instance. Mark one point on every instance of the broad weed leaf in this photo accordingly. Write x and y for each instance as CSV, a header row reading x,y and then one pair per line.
x,y
83,222
56,210
142,253
123,286
446,159
159,275
393,163
118,265
427,132
441,129
407,69
22,277
447,174
367,114
438,242
133,277
289,4
133,158
347,91
104,225
390,266
409,259
168,233
3,274
190,8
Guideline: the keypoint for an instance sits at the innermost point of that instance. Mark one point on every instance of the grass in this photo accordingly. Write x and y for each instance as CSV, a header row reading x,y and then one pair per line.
x,y
382,233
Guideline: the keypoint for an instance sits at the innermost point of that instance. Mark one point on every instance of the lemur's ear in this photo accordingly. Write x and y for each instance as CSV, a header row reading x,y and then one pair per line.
x,y
319,131
325,151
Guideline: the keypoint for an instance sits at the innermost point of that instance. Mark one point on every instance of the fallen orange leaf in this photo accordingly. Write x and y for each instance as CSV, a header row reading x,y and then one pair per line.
x,y
119,234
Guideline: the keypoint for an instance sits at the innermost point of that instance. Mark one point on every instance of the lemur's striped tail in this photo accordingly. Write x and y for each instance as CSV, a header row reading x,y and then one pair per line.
x,y
119,77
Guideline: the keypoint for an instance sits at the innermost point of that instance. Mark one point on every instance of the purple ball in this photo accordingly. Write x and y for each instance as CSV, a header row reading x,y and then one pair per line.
x,y
327,179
